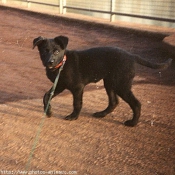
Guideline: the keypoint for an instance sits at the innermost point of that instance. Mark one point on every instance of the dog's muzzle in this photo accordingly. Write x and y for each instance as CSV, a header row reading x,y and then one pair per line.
x,y
51,63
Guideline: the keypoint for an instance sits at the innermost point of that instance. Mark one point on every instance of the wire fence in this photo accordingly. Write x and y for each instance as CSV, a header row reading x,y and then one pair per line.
x,y
155,12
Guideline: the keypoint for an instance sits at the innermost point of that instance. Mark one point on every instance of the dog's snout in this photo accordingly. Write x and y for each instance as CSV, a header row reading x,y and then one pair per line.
x,y
51,61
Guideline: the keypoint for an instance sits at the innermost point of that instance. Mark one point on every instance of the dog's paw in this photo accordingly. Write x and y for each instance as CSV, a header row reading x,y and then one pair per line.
x,y
48,114
130,123
71,117
99,114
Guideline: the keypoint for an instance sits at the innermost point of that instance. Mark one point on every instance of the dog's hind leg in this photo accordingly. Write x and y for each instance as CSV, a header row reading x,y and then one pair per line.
x,y
112,97
134,104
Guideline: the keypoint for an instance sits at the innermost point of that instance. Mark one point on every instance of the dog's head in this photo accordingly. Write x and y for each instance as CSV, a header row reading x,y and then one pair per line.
x,y
51,50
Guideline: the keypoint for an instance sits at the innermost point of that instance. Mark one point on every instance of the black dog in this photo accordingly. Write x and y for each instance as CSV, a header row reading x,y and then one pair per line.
x,y
114,65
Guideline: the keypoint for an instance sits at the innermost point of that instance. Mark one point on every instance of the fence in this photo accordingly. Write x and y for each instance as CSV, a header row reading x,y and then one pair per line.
x,y
157,12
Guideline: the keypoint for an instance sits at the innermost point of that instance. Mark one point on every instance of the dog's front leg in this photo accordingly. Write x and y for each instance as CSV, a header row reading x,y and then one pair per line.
x,y
46,99
45,102
77,103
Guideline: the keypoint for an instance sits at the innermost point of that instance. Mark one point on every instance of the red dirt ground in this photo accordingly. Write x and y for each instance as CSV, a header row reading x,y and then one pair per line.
x,y
88,145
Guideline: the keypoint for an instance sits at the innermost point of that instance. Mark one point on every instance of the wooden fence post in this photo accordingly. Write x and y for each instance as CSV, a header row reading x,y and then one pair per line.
x,y
112,7
62,4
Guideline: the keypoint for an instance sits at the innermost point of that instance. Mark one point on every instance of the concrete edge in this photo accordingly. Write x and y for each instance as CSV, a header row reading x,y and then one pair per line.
x,y
169,44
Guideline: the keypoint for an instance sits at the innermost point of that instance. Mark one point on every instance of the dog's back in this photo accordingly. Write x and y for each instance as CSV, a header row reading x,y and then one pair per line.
x,y
97,63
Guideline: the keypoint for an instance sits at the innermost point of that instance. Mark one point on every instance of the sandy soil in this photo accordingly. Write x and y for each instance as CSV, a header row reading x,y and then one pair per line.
x,y
88,145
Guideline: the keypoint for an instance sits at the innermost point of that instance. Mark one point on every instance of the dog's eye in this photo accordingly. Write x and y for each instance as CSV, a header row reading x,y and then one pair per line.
x,y
56,52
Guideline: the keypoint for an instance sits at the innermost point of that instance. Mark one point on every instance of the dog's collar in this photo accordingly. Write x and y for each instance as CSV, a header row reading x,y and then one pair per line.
x,y
61,63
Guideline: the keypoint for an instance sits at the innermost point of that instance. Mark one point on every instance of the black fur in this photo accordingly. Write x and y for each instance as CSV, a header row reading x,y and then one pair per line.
x,y
114,65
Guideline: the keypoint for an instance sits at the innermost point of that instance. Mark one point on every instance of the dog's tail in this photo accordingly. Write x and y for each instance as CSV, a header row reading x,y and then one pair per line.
x,y
149,64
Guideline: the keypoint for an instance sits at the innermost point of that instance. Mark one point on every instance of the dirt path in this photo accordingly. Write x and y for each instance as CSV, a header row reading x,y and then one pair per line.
x,y
88,146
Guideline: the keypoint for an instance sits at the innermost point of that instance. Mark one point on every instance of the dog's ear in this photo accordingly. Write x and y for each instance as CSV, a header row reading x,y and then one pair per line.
x,y
38,41
62,41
